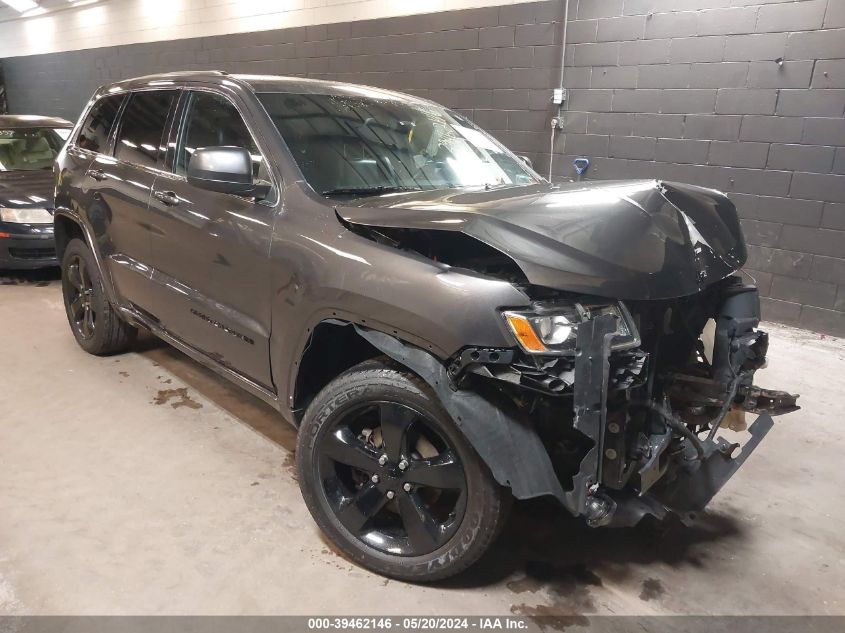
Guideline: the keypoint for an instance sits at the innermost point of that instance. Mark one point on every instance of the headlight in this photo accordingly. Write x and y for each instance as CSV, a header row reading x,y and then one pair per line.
x,y
552,328
25,216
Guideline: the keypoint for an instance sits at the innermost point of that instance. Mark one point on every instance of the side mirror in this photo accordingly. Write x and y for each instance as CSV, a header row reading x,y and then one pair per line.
x,y
527,161
225,170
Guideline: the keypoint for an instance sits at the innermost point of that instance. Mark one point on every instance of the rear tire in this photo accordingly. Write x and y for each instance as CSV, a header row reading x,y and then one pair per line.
x,y
95,324
426,520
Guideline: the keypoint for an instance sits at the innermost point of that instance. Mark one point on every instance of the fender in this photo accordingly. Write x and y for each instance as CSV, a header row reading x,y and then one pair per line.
x,y
105,275
507,443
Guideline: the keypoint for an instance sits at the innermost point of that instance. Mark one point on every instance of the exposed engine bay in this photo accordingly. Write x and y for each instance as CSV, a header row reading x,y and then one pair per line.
x,y
666,398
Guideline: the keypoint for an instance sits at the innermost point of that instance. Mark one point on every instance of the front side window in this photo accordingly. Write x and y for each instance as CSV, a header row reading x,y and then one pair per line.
x,y
213,121
349,143
95,130
142,127
28,149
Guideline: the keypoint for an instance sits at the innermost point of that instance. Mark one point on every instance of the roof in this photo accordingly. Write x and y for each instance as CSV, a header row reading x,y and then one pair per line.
x,y
262,83
30,120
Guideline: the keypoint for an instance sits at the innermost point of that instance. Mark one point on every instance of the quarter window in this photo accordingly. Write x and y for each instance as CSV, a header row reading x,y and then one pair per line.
x,y
94,134
142,127
213,121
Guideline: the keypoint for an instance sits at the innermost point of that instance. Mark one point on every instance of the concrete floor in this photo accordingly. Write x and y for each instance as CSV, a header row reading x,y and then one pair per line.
x,y
143,484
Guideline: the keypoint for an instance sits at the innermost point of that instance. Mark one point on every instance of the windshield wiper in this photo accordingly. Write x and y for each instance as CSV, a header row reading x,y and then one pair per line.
x,y
367,191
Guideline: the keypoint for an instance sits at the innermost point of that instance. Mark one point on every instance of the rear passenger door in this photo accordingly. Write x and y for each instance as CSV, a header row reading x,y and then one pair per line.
x,y
124,185
211,249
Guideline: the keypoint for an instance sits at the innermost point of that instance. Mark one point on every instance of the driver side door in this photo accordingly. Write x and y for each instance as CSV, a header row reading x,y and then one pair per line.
x,y
210,249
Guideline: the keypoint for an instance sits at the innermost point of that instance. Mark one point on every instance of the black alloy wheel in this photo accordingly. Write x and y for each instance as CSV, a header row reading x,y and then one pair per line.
x,y
96,325
392,480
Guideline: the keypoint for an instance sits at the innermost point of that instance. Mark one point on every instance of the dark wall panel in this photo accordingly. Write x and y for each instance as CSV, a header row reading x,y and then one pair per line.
x,y
747,96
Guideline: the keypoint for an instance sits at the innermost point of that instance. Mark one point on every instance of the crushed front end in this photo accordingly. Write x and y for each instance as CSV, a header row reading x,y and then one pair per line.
x,y
628,398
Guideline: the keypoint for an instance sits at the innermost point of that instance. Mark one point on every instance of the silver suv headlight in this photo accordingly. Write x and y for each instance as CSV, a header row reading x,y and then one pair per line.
x,y
25,216
551,328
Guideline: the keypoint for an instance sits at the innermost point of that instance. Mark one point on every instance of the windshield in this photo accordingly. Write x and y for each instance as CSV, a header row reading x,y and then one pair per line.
x,y
29,148
353,144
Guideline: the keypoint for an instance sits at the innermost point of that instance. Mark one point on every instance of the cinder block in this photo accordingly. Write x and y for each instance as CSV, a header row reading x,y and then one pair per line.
x,y
790,211
735,154
718,75
666,125
829,73
771,75
663,25
834,216
835,17
827,187
811,103
698,49
826,44
591,100
643,52
828,269
780,262
636,147
535,34
824,131
768,46
804,291
780,311
581,31
771,129
496,37
516,57
671,150
791,16
687,101
664,76
599,54
812,240
728,21
587,144
621,29
639,100
809,158
761,233
614,77
598,9
712,127
822,320
741,101
610,123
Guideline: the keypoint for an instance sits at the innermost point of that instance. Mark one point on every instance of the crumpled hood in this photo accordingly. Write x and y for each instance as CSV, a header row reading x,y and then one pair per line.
x,y
27,188
642,239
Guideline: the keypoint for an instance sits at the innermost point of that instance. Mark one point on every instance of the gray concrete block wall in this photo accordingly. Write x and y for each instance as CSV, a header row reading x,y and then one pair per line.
x,y
747,96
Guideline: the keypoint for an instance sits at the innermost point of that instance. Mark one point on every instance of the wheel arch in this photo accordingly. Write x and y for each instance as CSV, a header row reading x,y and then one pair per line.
x,y
67,226
333,346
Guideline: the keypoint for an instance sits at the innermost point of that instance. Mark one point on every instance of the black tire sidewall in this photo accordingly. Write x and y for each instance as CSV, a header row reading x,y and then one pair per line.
x,y
483,503
102,307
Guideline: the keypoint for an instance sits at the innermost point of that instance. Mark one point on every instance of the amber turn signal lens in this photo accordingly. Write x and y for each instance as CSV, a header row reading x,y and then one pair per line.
x,y
525,333
5,235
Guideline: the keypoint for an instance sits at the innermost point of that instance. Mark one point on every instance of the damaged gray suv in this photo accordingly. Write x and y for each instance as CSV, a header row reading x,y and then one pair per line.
x,y
445,328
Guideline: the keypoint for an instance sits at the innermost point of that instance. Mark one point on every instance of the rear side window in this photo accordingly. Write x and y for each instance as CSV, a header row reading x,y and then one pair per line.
x,y
94,134
142,127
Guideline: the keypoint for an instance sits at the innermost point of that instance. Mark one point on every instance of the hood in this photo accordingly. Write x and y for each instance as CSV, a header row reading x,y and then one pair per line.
x,y
27,188
642,239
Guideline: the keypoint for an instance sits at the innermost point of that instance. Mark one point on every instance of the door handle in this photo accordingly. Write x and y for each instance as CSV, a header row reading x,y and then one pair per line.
x,y
167,197
97,174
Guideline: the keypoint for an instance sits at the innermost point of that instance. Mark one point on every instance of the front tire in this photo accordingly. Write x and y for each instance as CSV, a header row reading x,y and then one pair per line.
x,y
391,480
94,322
